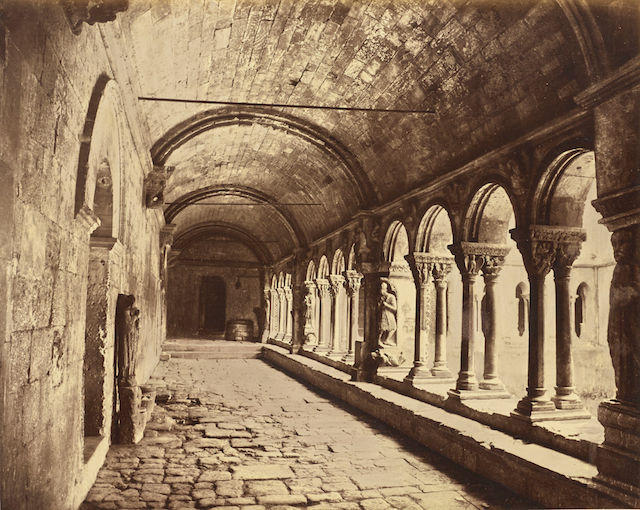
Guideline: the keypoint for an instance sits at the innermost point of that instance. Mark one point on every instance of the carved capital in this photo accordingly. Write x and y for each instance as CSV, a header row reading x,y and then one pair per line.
x,y
421,265
288,294
441,269
353,280
336,282
566,255
91,11
323,287
539,245
154,185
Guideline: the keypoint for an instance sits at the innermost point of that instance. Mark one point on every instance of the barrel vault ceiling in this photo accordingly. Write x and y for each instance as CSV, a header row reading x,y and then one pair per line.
x,y
491,71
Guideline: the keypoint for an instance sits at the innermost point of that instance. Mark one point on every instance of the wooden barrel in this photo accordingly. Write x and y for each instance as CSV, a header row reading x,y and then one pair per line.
x,y
240,330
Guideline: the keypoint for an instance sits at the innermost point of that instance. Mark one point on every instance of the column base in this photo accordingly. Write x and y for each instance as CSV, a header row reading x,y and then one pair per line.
x,y
531,410
618,458
321,349
349,359
441,372
417,373
494,384
461,395
467,381
336,355
569,402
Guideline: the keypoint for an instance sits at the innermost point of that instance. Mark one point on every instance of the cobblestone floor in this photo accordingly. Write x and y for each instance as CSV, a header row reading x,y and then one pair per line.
x,y
243,435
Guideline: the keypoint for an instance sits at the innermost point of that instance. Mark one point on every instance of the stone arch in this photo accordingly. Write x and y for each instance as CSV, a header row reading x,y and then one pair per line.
x,y
99,175
396,243
311,271
435,232
203,230
338,263
290,124
352,259
99,189
561,194
488,216
297,233
323,267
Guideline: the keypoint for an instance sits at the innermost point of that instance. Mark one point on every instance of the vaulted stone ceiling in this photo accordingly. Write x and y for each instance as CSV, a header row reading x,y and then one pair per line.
x,y
491,71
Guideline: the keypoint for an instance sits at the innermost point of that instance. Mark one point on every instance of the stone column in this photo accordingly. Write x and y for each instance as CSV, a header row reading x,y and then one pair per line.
x,y
325,316
288,329
537,244
282,314
275,313
369,356
615,102
470,261
336,283
566,254
266,296
310,300
421,265
441,270
353,280
490,270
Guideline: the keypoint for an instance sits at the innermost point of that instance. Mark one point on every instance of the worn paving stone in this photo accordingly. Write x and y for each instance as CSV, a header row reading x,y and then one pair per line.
x,y
281,447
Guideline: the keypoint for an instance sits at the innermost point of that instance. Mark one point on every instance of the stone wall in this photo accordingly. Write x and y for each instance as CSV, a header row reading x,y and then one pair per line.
x,y
47,78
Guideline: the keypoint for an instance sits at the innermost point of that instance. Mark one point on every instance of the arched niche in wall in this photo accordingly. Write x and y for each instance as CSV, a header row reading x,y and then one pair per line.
x,y
99,188
395,248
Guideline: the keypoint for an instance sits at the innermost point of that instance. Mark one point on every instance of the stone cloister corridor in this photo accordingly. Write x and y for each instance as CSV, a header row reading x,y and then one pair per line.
x,y
427,209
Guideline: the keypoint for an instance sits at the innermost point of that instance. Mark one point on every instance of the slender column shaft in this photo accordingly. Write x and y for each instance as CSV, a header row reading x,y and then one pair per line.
x,y
565,397
467,377
538,248
421,266
353,280
325,315
282,315
336,284
288,330
440,368
490,380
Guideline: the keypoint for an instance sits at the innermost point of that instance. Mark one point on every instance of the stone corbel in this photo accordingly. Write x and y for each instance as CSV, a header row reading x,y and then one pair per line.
x,y
619,210
86,220
91,11
166,235
154,185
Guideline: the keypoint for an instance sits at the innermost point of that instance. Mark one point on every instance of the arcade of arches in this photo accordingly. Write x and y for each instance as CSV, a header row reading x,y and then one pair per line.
x,y
480,254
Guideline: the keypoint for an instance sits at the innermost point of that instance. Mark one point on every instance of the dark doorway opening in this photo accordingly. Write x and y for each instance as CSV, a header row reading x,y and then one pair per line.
x,y
213,304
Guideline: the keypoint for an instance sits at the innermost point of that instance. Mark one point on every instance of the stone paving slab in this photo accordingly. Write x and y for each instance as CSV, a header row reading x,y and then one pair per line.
x,y
299,449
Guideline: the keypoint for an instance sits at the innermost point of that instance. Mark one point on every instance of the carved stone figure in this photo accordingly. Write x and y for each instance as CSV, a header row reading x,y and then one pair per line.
x,y
624,317
91,11
127,337
309,308
387,308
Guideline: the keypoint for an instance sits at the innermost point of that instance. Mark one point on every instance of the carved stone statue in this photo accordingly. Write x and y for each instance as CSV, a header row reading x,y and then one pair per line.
x,y
309,309
127,338
387,352
387,309
624,317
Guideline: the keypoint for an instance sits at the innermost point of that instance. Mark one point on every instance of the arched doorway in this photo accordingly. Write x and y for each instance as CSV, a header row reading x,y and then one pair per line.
x,y
213,305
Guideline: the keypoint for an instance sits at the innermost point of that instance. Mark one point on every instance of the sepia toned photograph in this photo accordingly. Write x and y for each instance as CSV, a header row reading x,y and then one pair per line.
x,y
319,254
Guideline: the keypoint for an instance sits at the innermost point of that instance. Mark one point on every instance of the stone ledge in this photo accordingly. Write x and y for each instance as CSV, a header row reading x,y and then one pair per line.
x,y
547,476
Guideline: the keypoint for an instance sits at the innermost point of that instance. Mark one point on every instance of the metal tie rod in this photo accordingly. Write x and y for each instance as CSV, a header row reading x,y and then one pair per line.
x,y
276,105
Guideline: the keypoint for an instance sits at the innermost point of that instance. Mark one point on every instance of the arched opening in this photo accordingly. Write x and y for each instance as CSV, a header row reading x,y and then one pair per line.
x,y
99,190
435,235
213,305
522,295
492,262
397,303
339,342
581,310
